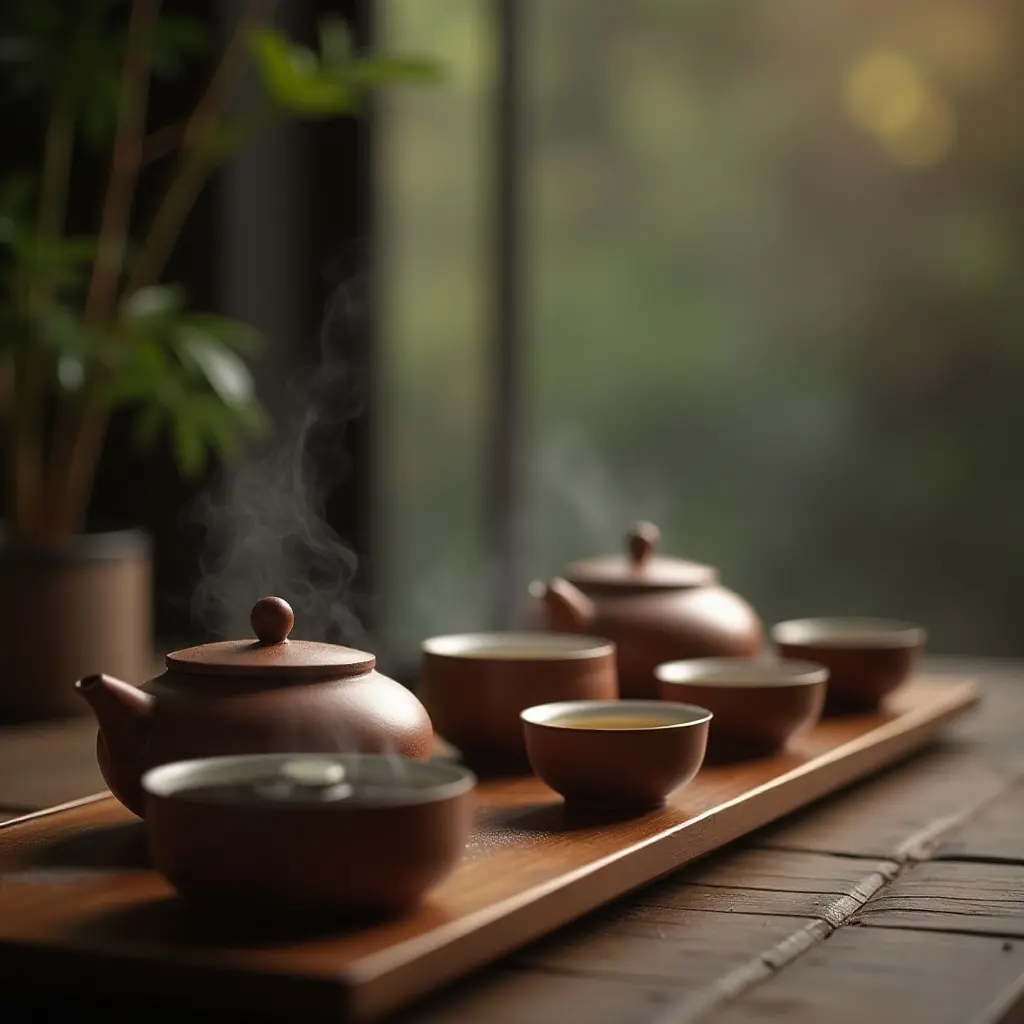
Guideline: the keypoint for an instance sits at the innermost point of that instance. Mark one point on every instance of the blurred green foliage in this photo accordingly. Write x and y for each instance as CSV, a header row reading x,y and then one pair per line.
x,y
773,253
86,324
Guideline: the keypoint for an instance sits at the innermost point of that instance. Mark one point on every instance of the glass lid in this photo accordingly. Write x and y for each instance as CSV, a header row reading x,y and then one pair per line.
x,y
272,653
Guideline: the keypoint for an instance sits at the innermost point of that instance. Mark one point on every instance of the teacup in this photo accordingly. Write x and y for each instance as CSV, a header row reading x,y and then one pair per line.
x,y
867,659
625,752
474,685
758,704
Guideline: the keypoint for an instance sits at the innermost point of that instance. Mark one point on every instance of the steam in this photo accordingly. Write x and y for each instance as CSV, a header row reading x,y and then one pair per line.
x,y
577,507
582,508
264,520
454,599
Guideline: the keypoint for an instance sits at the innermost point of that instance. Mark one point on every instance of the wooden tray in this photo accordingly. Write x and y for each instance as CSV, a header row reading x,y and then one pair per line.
x,y
79,905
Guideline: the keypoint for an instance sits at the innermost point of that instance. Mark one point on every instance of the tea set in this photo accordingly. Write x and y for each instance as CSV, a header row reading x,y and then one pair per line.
x,y
294,776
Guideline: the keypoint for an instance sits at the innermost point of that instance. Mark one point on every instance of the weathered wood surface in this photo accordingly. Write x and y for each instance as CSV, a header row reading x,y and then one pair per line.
x,y
900,812
42,765
950,896
995,834
803,923
874,974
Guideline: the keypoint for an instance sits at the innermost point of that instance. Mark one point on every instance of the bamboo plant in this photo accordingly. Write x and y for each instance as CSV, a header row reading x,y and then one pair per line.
x,y
87,324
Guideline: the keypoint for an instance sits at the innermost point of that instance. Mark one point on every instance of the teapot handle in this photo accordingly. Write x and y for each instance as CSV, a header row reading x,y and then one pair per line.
x,y
566,608
642,541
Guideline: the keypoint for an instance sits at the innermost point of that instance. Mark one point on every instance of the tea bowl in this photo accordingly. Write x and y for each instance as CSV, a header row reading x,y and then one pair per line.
x,y
474,685
287,835
758,704
867,659
625,752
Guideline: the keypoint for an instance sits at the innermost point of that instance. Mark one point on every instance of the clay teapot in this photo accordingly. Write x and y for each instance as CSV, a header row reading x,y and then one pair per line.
x,y
654,608
269,695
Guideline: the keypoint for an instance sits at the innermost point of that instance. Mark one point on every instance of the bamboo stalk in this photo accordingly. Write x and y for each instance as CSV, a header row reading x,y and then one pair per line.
x,y
25,452
198,161
163,141
126,158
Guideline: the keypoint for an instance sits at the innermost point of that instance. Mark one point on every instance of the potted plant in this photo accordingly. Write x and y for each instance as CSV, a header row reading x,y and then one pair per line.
x,y
88,325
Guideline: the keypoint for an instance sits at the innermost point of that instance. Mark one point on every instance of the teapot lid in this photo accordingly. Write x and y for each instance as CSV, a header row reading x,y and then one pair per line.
x,y
640,567
272,653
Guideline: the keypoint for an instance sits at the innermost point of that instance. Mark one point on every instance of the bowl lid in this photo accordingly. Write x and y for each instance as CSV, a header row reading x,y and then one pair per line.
x,y
327,780
639,567
272,653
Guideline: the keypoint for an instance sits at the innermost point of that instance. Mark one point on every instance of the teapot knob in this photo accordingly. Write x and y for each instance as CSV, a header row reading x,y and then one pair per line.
x,y
272,619
643,539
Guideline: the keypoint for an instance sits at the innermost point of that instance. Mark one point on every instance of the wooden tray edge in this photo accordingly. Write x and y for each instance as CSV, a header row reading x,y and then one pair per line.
x,y
46,812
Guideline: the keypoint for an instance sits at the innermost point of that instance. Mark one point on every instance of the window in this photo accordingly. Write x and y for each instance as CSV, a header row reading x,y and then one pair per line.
x,y
770,301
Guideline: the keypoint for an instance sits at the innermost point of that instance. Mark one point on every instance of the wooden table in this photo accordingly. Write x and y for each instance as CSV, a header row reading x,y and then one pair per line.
x,y
901,899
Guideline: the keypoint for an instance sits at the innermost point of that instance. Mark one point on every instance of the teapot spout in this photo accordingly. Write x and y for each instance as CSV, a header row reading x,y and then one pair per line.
x,y
566,608
124,713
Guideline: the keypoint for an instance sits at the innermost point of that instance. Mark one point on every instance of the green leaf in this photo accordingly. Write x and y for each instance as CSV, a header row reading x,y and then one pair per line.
x,y
150,357
155,304
59,262
70,372
224,370
62,331
221,427
143,373
293,80
254,420
128,387
275,59
189,450
233,333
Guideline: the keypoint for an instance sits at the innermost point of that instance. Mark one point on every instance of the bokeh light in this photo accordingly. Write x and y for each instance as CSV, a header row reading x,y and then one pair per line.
x,y
887,94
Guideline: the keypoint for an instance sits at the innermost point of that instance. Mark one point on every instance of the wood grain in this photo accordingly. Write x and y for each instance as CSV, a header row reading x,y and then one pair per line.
x,y
867,974
673,948
984,899
77,896
943,787
996,833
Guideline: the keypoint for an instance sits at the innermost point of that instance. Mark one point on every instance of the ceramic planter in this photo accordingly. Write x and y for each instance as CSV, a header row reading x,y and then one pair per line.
x,y
66,613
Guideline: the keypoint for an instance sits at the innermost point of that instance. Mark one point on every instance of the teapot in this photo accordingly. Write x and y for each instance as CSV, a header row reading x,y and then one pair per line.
x,y
268,695
656,609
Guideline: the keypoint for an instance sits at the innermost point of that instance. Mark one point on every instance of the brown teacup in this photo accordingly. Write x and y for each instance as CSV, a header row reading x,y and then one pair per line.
x,y
474,685
867,659
759,705
307,836
626,752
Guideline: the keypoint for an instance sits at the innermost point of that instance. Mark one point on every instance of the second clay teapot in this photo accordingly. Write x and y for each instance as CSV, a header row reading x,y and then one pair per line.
x,y
269,695
654,608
